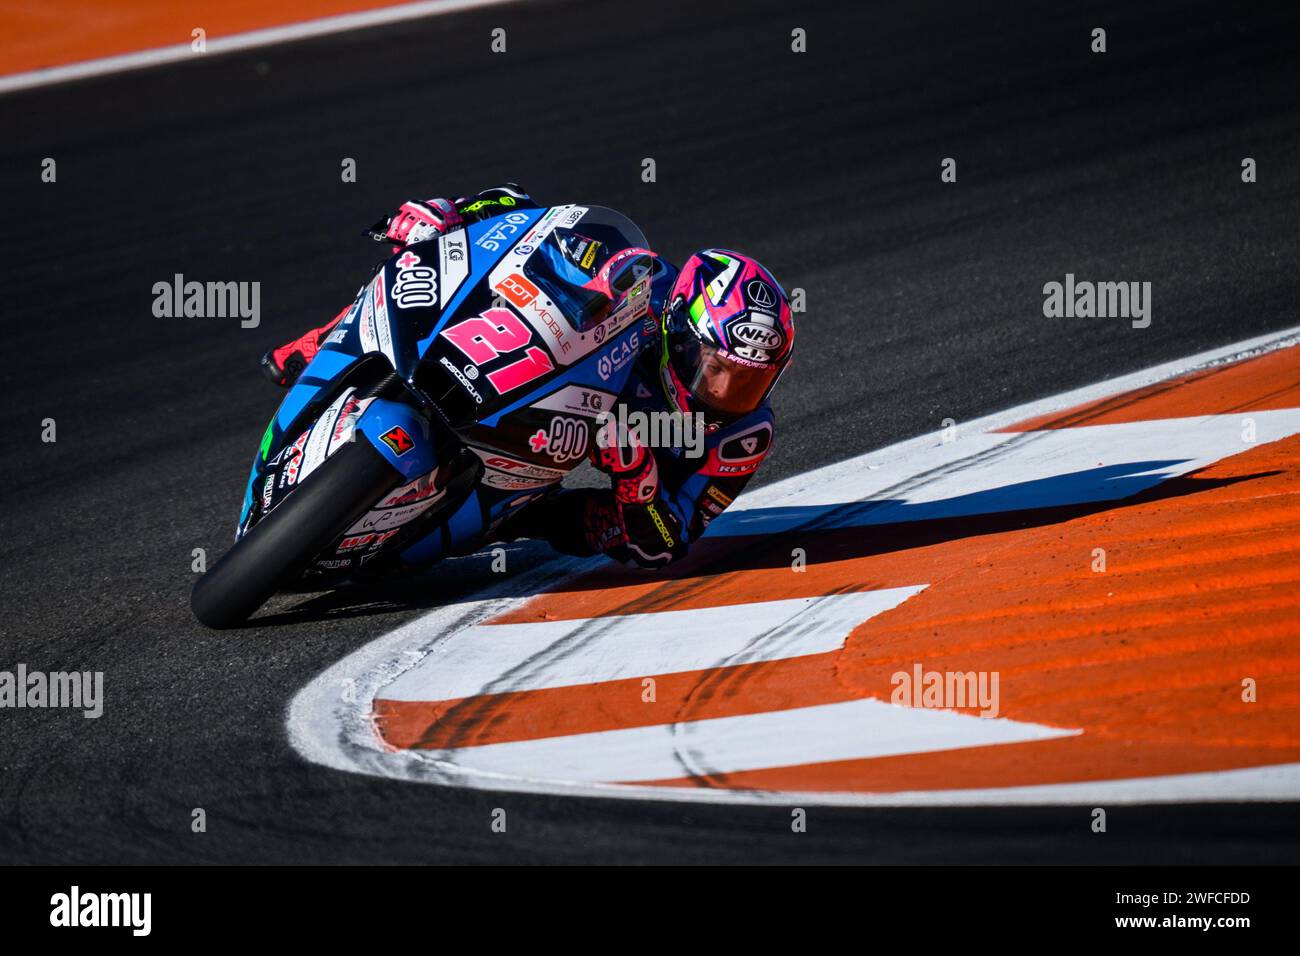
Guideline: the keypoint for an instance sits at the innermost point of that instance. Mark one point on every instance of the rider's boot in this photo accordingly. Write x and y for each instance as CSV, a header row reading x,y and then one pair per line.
x,y
285,364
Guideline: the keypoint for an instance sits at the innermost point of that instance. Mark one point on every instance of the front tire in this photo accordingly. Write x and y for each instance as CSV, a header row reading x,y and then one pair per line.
x,y
281,545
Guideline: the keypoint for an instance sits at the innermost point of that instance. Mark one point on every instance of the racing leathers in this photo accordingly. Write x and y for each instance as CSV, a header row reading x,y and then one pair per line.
x,y
662,498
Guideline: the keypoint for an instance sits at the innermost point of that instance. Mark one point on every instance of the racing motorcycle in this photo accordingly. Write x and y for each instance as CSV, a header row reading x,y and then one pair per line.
x,y
468,377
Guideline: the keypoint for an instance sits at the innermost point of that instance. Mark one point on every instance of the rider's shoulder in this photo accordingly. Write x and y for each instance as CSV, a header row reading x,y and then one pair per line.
x,y
761,419
758,416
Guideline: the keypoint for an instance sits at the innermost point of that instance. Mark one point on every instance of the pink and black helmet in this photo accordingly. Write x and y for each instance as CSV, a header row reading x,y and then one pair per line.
x,y
727,336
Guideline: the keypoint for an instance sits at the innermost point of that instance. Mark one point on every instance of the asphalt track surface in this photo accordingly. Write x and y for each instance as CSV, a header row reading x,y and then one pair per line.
x,y
924,303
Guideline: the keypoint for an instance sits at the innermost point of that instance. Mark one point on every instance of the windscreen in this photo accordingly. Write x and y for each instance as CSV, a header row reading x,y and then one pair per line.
x,y
568,259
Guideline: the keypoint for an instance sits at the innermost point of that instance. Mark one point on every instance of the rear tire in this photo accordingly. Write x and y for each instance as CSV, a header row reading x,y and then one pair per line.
x,y
279,547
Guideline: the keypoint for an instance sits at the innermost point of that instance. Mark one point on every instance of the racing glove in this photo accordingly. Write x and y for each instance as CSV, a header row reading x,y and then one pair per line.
x,y
651,532
628,462
417,221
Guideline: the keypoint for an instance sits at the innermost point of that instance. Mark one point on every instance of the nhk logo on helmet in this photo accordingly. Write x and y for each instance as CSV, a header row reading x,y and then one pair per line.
x,y
763,337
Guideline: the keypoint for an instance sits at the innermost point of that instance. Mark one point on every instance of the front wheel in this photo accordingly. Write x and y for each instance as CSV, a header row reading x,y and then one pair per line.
x,y
281,545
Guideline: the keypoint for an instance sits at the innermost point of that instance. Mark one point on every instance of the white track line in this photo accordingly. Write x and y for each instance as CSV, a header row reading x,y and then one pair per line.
x,y
240,41
1063,466
500,658
328,721
848,730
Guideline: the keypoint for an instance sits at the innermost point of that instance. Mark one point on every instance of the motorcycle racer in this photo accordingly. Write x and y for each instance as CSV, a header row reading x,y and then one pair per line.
x,y
724,335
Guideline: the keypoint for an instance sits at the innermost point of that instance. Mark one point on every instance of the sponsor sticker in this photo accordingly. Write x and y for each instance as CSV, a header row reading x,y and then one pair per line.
x,y
460,377
507,482
761,295
294,461
322,433
371,540
388,519
422,488
366,325
759,335
503,232
496,460
566,440
347,421
578,399
719,496
383,330
518,290
511,474
453,256
416,284
617,357
568,218
398,440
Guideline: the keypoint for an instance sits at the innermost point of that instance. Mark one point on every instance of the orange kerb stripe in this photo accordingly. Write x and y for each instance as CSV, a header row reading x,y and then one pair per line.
x,y
1201,591
613,705
1269,381
46,33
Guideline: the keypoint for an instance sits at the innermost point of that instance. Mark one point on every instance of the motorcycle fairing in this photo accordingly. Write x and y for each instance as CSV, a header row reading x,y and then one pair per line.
x,y
398,321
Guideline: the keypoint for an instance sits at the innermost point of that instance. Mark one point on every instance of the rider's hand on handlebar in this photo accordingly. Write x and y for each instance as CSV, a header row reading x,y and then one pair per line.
x,y
417,221
630,463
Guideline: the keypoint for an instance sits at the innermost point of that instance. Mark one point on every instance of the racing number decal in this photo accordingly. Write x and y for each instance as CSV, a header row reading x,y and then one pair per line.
x,y
494,333
534,364
486,336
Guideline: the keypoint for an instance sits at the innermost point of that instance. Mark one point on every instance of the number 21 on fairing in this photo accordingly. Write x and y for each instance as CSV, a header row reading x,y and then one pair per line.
x,y
496,332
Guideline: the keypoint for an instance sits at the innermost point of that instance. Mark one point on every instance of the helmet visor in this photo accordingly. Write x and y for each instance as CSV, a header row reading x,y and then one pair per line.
x,y
719,380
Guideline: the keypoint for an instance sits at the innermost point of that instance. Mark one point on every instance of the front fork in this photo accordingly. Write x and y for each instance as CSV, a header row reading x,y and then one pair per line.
x,y
417,445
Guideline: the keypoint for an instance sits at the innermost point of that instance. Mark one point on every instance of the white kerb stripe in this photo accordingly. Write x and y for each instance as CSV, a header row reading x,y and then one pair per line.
x,y
853,730
498,658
